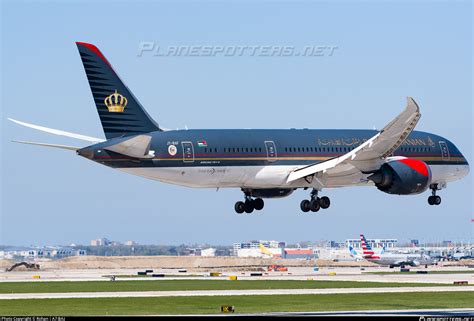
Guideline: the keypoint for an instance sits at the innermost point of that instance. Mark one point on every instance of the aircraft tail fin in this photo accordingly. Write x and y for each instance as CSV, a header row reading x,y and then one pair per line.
x,y
352,251
264,250
121,114
366,247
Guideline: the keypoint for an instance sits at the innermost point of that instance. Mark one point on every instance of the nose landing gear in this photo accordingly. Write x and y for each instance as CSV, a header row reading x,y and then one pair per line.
x,y
434,199
315,203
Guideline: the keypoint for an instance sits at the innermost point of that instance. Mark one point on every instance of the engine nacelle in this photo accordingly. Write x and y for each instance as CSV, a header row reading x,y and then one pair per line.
x,y
403,177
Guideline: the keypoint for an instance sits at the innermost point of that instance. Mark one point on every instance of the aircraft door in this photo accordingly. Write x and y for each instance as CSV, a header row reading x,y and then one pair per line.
x,y
188,152
271,151
444,150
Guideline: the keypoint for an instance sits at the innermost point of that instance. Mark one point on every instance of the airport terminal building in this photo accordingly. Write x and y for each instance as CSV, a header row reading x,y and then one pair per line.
x,y
375,243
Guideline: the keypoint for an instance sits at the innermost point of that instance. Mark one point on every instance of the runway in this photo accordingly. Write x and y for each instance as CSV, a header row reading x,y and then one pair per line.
x,y
138,294
294,273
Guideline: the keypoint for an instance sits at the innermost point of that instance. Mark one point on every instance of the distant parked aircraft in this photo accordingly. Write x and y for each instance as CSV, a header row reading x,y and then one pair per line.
x,y
389,259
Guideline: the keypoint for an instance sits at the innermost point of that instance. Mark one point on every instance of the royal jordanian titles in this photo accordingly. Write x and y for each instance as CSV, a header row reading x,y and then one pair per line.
x,y
263,163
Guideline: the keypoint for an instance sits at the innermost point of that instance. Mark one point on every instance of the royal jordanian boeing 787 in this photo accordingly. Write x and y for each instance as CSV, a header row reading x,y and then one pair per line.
x,y
263,163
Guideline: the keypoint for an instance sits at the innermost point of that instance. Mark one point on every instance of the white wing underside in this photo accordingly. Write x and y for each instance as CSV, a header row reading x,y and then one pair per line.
x,y
59,132
368,156
48,145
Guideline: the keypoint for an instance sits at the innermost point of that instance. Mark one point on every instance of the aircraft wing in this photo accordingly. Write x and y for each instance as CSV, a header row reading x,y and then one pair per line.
x,y
47,145
59,132
368,155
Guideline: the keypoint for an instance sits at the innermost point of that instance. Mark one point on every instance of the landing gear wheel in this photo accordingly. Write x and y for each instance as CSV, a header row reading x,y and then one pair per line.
x,y
304,205
258,204
248,206
239,207
431,200
434,199
314,205
324,202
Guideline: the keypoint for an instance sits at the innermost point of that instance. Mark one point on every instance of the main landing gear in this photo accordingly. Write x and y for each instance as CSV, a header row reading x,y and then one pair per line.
x,y
315,203
434,199
249,205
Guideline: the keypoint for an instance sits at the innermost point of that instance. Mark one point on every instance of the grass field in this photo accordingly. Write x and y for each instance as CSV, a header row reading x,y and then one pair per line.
x,y
183,285
243,304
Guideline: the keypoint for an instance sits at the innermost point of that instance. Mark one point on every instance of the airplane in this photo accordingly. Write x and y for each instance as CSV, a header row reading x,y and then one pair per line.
x,y
263,163
264,250
389,259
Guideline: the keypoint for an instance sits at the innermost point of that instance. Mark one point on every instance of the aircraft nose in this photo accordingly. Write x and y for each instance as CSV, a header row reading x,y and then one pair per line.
x,y
464,169
466,164
86,152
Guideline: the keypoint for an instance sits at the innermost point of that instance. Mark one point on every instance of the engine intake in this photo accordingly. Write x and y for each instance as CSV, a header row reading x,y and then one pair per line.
x,y
403,177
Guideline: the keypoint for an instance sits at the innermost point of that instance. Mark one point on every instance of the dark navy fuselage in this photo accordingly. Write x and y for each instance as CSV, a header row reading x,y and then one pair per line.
x,y
264,147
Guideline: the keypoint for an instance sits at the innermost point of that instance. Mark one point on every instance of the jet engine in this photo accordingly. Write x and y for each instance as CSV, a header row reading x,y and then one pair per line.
x,y
403,177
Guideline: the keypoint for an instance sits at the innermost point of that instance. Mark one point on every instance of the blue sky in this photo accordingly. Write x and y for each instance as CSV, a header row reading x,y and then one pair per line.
x,y
386,51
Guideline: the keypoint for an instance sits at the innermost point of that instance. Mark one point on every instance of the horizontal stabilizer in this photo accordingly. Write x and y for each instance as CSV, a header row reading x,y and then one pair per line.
x,y
58,132
137,147
47,145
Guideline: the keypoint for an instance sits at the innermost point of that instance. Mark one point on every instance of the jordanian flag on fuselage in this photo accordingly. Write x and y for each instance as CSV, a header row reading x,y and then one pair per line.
x,y
202,143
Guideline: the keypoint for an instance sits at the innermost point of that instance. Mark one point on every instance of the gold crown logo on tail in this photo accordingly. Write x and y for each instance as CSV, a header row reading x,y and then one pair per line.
x,y
115,102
